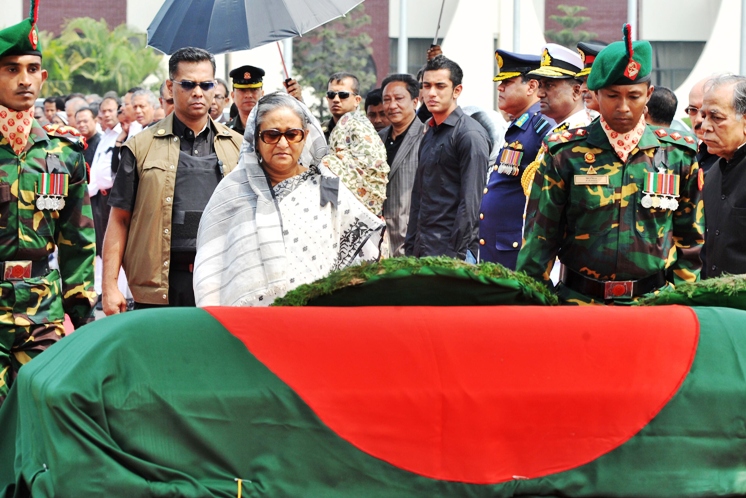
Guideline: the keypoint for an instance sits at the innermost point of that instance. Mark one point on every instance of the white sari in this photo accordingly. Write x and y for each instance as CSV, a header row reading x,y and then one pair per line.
x,y
257,242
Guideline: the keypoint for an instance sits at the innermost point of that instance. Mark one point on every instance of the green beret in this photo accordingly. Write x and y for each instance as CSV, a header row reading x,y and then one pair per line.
x,y
21,38
622,63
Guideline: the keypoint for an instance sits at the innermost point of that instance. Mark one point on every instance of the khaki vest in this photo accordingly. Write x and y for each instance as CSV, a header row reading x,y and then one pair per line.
x,y
148,250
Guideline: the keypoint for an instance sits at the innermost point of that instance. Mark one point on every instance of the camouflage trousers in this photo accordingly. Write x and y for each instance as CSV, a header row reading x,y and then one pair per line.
x,y
19,344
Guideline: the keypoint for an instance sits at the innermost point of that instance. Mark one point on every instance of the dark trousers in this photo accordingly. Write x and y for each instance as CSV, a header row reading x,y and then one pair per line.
x,y
100,209
180,290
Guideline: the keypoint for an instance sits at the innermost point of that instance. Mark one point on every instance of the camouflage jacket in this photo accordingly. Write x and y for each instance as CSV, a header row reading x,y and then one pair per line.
x,y
603,231
27,233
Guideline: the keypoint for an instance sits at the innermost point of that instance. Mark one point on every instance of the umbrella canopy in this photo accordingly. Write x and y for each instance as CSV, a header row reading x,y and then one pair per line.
x,y
221,26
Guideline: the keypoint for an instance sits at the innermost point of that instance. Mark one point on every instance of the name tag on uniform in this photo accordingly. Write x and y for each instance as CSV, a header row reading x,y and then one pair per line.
x,y
591,180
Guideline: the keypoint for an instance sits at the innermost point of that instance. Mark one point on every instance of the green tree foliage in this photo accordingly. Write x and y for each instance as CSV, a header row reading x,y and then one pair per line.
x,y
87,57
569,35
336,46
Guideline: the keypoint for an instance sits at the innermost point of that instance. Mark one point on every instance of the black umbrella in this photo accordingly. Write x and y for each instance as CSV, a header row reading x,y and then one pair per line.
x,y
221,26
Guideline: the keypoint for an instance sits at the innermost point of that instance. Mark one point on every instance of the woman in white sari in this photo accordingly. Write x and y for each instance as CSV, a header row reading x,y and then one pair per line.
x,y
279,219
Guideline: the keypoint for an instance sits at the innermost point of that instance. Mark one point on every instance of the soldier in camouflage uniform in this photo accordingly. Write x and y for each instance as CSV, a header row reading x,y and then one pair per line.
x,y
618,202
43,204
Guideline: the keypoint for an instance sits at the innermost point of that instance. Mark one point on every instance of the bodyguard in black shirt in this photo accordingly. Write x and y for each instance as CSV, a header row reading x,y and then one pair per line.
x,y
453,161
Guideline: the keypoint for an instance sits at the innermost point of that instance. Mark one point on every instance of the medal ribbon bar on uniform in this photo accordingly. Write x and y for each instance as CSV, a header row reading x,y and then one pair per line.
x,y
662,184
510,162
54,184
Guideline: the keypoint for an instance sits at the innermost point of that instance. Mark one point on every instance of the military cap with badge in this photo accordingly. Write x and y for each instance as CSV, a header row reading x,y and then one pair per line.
x,y
511,64
247,77
558,62
588,53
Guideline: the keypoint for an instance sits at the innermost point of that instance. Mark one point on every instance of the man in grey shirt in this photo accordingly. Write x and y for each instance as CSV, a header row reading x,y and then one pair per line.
x,y
453,160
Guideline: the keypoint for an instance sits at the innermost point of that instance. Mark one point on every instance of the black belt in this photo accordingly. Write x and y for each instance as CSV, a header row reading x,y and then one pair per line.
x,y
18,270
611,289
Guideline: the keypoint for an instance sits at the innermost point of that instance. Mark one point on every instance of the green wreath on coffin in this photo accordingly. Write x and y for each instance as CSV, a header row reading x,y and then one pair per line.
x,y
430,281
728,291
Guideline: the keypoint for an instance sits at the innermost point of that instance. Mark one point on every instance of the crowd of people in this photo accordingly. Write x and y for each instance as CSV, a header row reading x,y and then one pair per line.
x,y
579,181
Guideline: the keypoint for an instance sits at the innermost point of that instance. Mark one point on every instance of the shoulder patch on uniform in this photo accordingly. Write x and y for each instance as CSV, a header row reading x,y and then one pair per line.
x,y
522,120
581,132
541,126
686,141
67,133
555,140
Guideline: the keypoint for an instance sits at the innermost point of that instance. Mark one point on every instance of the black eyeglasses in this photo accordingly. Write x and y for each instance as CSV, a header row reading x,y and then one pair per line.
x,y
691,110
342,95
293,135
190,85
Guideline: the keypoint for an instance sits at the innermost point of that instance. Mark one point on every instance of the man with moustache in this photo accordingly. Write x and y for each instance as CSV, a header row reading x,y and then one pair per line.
x,y
144,105
705,158
618,201
166,176
220,100
723,130
248,88
43,206
588,53
402,141
342,96
374,109
503,203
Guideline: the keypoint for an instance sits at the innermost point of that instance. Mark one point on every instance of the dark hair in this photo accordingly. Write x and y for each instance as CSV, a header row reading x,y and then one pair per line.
x,y
189,54
662,106
134,89
109,97
413,87
89,109
76,95
338,77
442,62
60,103
374,97
51,100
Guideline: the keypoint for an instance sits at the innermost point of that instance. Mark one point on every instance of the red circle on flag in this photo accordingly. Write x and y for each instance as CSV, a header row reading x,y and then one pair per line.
x,y
451,393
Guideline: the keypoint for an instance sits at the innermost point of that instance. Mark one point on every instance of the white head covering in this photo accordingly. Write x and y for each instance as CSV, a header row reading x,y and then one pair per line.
x,y
230,267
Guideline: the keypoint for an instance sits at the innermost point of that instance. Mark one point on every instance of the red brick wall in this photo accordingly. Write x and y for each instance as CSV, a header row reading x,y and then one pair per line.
x,y
378,10
53,13
607,17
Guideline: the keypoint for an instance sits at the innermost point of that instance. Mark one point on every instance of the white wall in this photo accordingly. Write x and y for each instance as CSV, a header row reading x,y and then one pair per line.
x,y
12,13
721,53
422,17
678,20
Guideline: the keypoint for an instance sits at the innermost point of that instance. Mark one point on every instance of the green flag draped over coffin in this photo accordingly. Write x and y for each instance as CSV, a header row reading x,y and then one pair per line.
x,y
385,401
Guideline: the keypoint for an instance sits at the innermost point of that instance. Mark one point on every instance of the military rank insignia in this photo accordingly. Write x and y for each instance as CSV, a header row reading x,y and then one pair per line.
x,y
661,191
51,191
510,162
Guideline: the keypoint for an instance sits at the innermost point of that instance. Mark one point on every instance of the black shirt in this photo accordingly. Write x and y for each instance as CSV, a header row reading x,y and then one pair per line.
x,y
392,144
724,197
90,152
452,171
423,114
124,191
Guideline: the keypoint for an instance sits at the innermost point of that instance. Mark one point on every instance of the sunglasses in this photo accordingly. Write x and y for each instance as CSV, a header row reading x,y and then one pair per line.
x,y
691,110
190,85
293,135
342,95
